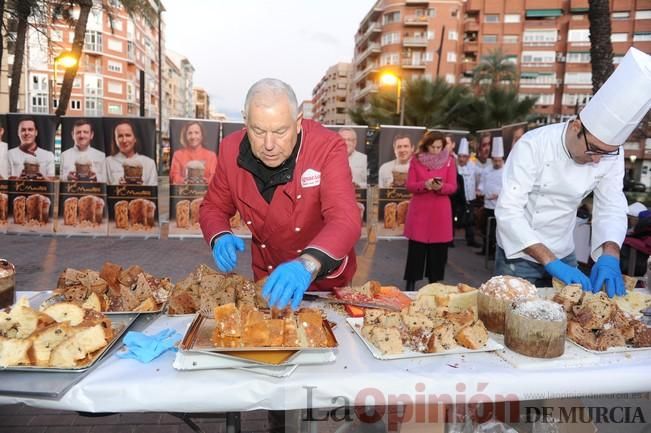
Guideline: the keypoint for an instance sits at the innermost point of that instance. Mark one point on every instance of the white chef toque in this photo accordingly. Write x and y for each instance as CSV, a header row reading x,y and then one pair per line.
x,y
463,147
498,148
616,109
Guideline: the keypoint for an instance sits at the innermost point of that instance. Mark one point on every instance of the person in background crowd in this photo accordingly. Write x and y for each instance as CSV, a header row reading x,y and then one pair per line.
x,y
466,169
491,186
28,135
432,179
82,136
450,145
4,157
553,168
356,160
517,134
192,140
392,172
125,149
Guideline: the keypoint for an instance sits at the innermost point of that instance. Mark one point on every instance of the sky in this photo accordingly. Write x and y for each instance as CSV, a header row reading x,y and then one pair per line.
x,y
234,43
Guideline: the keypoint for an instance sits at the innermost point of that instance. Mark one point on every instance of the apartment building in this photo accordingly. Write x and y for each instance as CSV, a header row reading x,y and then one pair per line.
x,y
547,40
306,108
177,88
118,72
331,96
201,102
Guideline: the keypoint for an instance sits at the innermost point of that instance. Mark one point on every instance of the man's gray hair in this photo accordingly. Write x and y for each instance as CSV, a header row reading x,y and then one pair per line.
x,y
271,87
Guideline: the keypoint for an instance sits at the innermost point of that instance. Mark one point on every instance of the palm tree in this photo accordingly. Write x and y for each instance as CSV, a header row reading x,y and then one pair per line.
x,y
494,69
601,48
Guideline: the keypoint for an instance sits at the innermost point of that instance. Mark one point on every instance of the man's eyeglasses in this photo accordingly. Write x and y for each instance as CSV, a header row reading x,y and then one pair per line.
x,y
591,149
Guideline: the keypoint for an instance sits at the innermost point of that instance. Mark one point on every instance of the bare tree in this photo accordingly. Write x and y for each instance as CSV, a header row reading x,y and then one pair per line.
x,y
23,10
601,48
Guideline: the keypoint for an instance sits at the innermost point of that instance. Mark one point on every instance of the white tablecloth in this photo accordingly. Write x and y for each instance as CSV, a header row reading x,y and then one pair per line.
x,y
125,385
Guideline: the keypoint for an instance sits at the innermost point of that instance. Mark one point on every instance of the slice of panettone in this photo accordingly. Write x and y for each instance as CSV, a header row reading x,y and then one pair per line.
x,y
15,351
473,336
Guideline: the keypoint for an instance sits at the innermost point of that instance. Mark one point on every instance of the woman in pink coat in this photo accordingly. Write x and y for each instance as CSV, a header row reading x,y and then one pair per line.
x,y
432,179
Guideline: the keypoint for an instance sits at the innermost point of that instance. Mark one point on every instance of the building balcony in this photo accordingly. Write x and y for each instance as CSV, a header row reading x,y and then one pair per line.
x,y
416,3
470,46
537,65
90,48
543,4
373,48
416,41
93,91
372,28
370,88
542,24
93,68
468,66
416,20
131,52
471,25
539,43
412,64
371,67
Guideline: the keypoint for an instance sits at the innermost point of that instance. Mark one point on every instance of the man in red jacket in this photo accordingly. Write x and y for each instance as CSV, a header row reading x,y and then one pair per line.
x,y
290,181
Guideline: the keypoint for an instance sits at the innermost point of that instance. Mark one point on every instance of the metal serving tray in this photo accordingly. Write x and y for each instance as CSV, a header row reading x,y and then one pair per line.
x,y
38,300
199,333
119,323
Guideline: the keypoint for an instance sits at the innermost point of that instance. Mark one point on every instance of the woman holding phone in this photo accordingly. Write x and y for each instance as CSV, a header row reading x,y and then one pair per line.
x,y
431,180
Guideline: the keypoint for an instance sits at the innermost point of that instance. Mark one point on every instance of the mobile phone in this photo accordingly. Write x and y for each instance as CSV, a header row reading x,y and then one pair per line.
x,y
438,179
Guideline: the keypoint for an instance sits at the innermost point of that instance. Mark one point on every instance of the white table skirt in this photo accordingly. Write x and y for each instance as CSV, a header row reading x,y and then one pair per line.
x,y
125,385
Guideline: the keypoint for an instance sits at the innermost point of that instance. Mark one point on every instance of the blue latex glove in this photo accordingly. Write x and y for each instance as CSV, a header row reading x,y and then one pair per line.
x,y
568,274
225,251
288,281
146,348
607,270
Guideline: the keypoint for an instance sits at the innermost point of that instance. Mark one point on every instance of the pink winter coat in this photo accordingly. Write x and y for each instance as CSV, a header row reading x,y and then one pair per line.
x,y
429,218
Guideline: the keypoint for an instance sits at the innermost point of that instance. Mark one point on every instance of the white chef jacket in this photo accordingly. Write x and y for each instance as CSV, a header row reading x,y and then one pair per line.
x,y
115,172
4,160
386,172
358,164
480,167
468,172
70,156
543,187
44,157
491,184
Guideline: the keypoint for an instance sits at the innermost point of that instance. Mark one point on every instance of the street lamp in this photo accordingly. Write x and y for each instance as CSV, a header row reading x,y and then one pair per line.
x,y
393,79
65,59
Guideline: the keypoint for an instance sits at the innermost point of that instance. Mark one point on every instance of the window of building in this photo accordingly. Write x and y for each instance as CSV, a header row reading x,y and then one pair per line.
x,y
76,83
390,38
643,15
641,37
55,103
115,45
512,18
537,78
115,109
390,59
578,35
617,58
578,78
450,78
452,35
115,87
538,57
39,82
391,17
619,37
491,18
93,41
578,57
454,13
452,57
536,37
510,39
130,92
430,35
490,39
541,98
117,24
75,104
93,85
114,66
428,57
620,15
573,98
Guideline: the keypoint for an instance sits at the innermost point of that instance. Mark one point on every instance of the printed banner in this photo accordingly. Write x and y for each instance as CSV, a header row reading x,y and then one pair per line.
x,y
397,144
194,160
132,177
511,134
393,204
355,139
82,171
32,185
237,225
4,205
